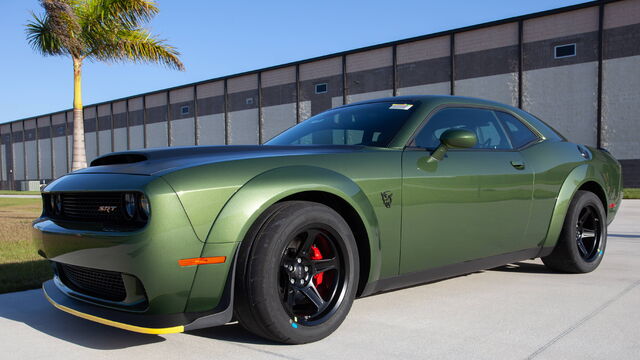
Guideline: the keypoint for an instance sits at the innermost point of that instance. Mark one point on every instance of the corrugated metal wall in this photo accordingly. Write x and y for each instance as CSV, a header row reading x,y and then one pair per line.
x,y
512,61
621,85
45,152
181,116
59,144
563,91
242,105
486,63
90,136
424,67
120,128
210,110
104,129
278,101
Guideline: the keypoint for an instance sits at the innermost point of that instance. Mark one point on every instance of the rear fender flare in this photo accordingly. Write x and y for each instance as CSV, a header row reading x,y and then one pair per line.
x,y
576,178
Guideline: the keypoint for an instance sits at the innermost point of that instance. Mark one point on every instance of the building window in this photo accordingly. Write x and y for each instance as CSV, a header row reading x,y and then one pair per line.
x,y
249,101
564,51
184,110
321,88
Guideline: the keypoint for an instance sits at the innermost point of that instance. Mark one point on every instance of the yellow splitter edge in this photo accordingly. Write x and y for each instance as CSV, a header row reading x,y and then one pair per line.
x,y
138,329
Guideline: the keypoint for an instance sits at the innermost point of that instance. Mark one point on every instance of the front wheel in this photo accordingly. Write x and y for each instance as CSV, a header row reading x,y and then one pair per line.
x,y
298,274
583,238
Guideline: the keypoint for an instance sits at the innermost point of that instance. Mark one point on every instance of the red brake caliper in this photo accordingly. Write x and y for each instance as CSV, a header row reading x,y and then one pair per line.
x,y
316,255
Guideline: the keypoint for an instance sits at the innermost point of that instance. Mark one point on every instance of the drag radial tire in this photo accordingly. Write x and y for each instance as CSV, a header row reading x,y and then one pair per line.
x,y
297,273
583,238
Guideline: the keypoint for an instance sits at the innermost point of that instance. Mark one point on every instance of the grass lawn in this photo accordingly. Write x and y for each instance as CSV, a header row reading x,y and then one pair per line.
x,y
10,192
21,268
631,193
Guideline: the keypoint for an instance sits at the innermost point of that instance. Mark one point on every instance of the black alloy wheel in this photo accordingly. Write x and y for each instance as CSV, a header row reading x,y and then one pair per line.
x,y
311,282
582,241
588,233
297,272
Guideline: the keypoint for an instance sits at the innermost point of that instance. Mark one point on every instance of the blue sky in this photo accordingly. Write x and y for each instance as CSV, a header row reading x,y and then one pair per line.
x,y
218,38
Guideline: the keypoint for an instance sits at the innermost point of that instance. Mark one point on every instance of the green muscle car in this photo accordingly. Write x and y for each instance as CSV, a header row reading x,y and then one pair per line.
x,y
360,199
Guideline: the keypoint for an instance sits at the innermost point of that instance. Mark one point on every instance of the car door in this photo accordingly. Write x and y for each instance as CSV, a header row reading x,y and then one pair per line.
x,y
472,204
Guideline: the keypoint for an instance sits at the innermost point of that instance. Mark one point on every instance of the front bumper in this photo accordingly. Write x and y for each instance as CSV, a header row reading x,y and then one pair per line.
x,y
142,323
175,296
146,324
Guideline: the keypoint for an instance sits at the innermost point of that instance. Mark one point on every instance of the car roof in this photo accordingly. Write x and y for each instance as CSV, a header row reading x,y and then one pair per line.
x,y
434,99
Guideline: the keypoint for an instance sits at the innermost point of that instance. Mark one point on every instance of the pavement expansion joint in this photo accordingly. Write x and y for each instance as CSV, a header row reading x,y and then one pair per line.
x,y
584,319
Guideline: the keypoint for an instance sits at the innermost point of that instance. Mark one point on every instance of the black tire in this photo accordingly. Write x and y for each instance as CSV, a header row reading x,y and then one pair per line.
x,y
583,238
268,265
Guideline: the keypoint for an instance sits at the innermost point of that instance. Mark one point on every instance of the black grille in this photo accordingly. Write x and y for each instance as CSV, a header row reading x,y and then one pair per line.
x,y
106,208
102,284
100,207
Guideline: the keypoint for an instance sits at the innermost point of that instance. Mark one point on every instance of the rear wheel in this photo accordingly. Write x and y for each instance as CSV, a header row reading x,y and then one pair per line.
x,y
583,239
299,274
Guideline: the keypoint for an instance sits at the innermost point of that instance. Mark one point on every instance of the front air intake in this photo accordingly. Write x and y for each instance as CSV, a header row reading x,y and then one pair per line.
x,y
102,284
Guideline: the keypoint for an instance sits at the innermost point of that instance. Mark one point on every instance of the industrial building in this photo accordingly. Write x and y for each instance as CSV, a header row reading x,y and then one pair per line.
x,y
577,68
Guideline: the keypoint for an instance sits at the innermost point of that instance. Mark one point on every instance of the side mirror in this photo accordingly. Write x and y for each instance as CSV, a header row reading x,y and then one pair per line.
x,y
454,139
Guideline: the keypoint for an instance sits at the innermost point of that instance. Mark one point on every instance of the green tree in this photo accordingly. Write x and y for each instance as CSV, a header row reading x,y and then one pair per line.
x,y
99,30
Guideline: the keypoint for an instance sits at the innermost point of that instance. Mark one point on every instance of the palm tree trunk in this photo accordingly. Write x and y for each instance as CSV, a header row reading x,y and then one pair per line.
x,y
79,157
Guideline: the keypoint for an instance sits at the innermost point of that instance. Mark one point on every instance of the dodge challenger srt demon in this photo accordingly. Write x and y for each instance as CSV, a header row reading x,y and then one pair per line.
x,y
367,197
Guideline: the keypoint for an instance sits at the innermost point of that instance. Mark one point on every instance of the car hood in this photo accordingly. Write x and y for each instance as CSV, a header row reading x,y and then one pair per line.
x,y
163,160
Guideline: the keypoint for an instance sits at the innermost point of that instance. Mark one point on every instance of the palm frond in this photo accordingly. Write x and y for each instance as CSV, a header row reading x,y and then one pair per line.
x,y
137,45
63,24
127,14
103,30
41,38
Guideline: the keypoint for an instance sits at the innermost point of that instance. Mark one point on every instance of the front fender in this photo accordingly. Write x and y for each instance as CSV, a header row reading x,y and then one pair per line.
x,y
252,199
576,178
264,190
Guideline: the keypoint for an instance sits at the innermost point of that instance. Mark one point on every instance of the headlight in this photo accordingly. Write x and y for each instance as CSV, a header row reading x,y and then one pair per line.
x,y
55,202
144,205
130,205
52,203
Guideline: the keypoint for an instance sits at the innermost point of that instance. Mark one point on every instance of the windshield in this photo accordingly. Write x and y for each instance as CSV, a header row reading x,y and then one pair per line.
x,y
373,124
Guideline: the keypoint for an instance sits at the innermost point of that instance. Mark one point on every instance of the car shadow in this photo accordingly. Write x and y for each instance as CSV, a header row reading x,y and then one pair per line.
x,y
232,332
32,309
524,267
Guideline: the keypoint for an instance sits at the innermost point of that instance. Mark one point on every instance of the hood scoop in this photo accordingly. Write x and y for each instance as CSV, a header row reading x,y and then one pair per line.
x,y
116,159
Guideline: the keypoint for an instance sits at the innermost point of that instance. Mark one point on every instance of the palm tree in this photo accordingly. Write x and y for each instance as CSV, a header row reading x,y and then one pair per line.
x,y
99,30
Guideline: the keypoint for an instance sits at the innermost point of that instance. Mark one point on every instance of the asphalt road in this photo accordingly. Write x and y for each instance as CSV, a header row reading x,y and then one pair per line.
x,y
513,312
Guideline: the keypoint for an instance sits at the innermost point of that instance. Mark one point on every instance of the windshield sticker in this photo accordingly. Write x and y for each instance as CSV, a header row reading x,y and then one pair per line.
x,y
401,106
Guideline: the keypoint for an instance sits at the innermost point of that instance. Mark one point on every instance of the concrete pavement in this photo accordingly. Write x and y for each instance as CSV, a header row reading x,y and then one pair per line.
x,y
518,311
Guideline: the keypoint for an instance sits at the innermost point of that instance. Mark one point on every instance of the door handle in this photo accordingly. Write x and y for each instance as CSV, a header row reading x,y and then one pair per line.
x,y
518,164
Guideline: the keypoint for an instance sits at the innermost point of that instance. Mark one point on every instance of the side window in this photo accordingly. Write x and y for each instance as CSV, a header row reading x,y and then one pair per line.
x,y
479,121
520,133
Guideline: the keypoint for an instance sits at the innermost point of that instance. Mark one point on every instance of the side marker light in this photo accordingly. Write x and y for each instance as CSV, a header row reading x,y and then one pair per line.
x,y
202,261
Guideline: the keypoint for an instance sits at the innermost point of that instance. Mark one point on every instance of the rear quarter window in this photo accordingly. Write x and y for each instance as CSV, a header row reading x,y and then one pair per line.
x,y
546,130
520,134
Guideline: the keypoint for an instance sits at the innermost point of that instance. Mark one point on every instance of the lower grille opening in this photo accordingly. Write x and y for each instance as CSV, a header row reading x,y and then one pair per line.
x,y
102,284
